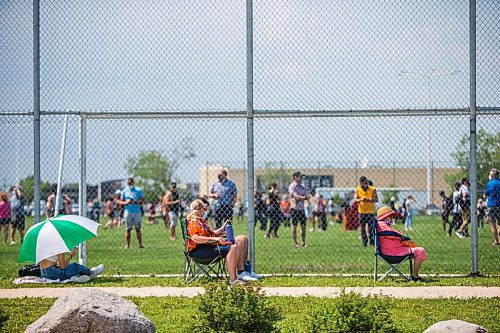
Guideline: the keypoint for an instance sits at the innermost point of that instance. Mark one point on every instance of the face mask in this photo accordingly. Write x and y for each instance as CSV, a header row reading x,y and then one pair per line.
x,y
205,215
220,177
490,177
132,187
364,187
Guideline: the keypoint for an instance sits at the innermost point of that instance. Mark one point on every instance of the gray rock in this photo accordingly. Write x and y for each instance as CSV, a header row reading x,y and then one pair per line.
x,y
92,310
455,326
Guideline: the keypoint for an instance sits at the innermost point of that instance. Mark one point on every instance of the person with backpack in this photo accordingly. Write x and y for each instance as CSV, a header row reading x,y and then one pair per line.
x,y
456,211
465,203
446,208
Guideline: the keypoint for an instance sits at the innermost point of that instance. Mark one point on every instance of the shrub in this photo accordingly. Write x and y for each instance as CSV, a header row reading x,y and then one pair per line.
x,y
225,308
352,313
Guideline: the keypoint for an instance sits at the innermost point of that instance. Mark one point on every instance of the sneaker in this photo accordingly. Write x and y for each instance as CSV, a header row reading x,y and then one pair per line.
x,y
416,279
141,246
304,245
459,234
311,230
245,276
237,281
12,243
127,247
96,271
255,275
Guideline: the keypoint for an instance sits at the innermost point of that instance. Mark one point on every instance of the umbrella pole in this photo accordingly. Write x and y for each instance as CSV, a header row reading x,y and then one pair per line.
x,y
82,253
61,164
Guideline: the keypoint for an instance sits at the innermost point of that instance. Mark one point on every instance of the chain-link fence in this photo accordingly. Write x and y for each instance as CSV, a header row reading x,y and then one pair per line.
x,y
340,91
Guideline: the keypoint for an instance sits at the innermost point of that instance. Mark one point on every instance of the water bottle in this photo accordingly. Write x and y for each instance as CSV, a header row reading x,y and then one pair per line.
x,y
248,266
229,232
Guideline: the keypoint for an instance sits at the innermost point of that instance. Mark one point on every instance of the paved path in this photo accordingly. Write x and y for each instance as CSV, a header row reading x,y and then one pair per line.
x,y
395,292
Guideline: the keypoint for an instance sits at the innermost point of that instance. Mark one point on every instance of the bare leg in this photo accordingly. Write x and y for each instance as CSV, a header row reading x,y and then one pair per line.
x,y
231,262
12,234
127,238
139,236
172,232
242,249
21,234
5,233
494,230
416,268
303,234
294,234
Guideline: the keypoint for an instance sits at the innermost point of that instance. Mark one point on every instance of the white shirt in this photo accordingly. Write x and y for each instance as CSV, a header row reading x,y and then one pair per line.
x,y
456,206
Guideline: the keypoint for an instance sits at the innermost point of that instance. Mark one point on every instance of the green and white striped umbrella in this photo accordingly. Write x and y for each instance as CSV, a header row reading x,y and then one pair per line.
x,y
56,235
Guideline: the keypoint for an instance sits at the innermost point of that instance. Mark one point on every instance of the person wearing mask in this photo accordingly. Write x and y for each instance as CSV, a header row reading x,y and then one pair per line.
x,y
298,196
225,193
132,199
366,197
456,211
465,205
173,208
492,193
203,242
275,215
395,246
18,219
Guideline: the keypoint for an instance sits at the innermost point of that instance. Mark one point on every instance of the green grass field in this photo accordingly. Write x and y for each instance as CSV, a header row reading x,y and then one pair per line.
x,y
333,252
171,314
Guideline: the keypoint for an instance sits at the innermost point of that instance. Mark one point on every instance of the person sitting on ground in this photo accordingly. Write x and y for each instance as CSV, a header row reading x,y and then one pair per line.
x,y
395,246
203,242
58,267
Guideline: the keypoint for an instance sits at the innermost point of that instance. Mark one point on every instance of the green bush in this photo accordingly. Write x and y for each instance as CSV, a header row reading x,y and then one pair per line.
x,y
351,313
225,308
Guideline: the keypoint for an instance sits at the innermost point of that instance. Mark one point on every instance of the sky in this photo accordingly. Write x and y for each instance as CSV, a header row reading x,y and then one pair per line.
x,y
190,56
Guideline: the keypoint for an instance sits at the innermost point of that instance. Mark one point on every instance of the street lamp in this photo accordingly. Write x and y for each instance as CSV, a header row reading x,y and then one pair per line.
x,y
429,76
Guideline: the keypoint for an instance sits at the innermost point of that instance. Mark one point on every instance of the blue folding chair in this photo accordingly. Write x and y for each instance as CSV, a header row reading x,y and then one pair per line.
x,y
394,262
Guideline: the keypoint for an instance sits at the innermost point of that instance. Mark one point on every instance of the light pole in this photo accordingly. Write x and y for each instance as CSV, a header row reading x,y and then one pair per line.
x,y
429,76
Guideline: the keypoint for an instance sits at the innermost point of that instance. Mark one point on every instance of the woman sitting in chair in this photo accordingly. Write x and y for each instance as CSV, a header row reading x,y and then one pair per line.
x,y
203,242
392,246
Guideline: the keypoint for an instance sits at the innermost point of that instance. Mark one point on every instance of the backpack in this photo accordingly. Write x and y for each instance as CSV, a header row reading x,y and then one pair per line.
x,y
30,270
448,205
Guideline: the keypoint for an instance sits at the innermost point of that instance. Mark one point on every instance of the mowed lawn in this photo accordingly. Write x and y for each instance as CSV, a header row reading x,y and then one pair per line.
x,y
334,251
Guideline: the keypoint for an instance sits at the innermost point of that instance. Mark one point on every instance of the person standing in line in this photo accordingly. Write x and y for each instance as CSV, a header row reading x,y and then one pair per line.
x,y
51,210
275,215
132,198
285,209
173,208
4,215
310,210
119,209
298,196
225,193
320,212
465,205
446,208
410,213
366,197
481,212
18,220
456,211
492,193
109,210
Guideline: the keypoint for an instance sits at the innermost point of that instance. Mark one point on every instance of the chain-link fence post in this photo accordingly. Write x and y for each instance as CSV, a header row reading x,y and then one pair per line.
x,y
36,106
82,186
250,143
473,146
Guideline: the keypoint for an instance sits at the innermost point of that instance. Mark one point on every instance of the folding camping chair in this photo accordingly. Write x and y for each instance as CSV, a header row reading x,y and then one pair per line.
x,y
212,268
393,261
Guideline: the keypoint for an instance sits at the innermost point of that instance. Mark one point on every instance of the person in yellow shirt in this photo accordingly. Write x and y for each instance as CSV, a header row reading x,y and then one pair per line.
x,y
366,197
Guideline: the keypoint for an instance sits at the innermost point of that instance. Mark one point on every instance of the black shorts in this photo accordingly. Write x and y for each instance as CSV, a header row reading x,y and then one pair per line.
x,y
19,223
210,251
494,214
5,221
111,214
298,216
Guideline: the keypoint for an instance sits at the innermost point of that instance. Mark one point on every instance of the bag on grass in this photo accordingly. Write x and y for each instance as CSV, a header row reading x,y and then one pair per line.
x,y
30,270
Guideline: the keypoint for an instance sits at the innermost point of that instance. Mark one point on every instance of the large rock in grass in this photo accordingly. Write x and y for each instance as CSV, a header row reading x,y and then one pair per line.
x,y
92,310
455,326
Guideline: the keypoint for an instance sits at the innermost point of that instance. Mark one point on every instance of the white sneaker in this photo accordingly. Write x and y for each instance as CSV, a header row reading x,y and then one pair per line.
x,y
96,271
459,234
255,275
311,230
245,276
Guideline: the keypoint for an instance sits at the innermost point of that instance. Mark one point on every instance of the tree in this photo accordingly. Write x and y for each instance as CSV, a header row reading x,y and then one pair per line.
x,y
29,189
488,156
154,172
391,192
273,175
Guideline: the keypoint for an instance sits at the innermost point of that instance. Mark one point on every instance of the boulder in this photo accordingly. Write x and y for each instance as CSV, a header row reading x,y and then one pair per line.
x,y
455,326
92,310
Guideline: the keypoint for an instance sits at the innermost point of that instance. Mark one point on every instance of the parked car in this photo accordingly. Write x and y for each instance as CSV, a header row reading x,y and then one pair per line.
x,y
432,210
